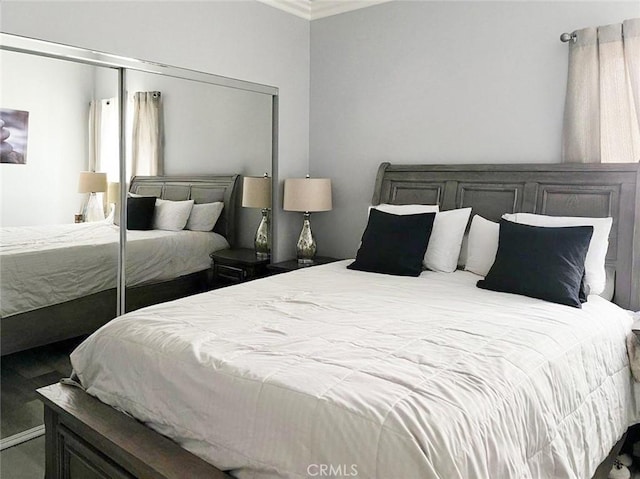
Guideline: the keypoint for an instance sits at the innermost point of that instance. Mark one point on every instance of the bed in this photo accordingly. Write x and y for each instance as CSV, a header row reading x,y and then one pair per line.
x,y
371,375
59,281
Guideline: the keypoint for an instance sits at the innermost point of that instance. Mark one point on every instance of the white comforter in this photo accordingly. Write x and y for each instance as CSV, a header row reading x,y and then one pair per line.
x,y
388,377
45,265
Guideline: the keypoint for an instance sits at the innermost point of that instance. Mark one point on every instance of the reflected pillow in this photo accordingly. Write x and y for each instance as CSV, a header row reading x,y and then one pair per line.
x,y
171,215
540,262
394,244
203,217
140,213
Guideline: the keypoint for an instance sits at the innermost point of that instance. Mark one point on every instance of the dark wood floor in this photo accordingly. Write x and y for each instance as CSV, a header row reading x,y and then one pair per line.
x,y
20,375
24,461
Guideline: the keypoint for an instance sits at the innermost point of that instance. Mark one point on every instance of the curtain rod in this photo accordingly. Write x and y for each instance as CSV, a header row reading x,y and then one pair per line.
x,y
568,37
572,37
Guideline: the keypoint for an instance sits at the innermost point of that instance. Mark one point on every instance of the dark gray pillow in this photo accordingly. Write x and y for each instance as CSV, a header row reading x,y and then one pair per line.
x,y
394,244
540,262
140,212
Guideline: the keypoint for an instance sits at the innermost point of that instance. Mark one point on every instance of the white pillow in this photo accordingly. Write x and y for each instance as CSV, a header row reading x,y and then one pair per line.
x,y
482,245
171,215
595,276
446,239
406,209
204,217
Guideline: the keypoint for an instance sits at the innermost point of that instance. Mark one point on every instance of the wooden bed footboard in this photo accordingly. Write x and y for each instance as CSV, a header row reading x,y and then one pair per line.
x,y
86,439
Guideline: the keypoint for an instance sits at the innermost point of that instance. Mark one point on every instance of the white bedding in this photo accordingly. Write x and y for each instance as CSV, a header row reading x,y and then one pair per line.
x,y
396,377
46,265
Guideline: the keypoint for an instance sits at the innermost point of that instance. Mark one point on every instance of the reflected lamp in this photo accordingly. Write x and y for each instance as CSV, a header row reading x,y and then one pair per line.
x,y
92,182
256,193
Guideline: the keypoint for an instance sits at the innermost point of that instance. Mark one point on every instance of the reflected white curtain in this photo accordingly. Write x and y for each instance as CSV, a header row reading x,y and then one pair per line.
x,y
602,108
147,135
104,138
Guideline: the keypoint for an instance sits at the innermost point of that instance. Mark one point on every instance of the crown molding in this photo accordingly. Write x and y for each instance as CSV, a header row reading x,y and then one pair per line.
x,y
314,9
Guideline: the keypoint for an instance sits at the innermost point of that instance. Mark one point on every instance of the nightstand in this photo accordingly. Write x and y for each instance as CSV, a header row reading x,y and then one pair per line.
x,y
292,264
237,266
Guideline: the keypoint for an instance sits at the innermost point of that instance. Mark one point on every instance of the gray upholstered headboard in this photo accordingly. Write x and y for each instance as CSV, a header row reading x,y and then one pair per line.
x,y
595,190
201,189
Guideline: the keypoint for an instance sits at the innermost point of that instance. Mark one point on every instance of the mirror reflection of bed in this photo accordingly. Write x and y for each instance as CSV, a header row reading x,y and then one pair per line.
x,y
60,222
216,133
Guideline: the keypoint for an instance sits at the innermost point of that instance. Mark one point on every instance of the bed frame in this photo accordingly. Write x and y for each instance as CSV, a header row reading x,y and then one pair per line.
x,y
86,438
84,315
568,189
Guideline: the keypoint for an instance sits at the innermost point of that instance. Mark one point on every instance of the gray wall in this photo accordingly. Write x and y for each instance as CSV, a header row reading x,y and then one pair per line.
x,y
436,82
211,129
245,40
412,82
44,191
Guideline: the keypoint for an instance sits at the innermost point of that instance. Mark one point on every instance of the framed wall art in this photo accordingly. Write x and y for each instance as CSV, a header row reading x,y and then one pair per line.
x,y
14,126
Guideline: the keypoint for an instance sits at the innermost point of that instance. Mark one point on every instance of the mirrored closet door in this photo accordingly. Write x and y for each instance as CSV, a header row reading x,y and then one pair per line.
x,y
58,254
190,143
87,140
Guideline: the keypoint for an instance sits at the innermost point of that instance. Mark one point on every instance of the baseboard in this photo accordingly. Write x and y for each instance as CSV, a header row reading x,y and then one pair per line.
x,y
21,437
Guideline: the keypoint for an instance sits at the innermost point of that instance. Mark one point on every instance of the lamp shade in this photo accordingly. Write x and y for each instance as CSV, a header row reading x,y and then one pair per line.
x,y
256,192
92,182
307,194
113,192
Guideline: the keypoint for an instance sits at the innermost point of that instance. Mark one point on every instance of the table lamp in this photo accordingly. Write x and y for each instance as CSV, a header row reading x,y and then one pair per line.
x,y
307,195
92,183
256,193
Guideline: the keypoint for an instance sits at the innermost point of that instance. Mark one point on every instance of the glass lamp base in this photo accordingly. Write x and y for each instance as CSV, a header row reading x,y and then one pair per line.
x,y
262,241
94,210
306,247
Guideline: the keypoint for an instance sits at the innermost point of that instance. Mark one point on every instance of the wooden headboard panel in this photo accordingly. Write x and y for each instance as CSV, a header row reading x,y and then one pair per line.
x,y
201,189
595,190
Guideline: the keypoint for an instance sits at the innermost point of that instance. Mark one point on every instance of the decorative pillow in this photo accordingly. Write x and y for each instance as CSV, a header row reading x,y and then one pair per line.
x,y
116,213
446,240
595,274
204,217
540,262
482,245
140,213
394,244
405,209
171,215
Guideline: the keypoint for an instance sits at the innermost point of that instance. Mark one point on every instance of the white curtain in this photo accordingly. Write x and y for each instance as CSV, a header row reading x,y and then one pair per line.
x,y
147,136
602,108
104,138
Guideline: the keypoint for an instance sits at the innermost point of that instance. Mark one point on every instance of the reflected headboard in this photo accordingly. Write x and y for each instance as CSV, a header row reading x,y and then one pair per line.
x,y
201,189
595,190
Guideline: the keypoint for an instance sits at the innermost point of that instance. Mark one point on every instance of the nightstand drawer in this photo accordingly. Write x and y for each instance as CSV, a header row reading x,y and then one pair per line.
x,y
237,266
231,273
